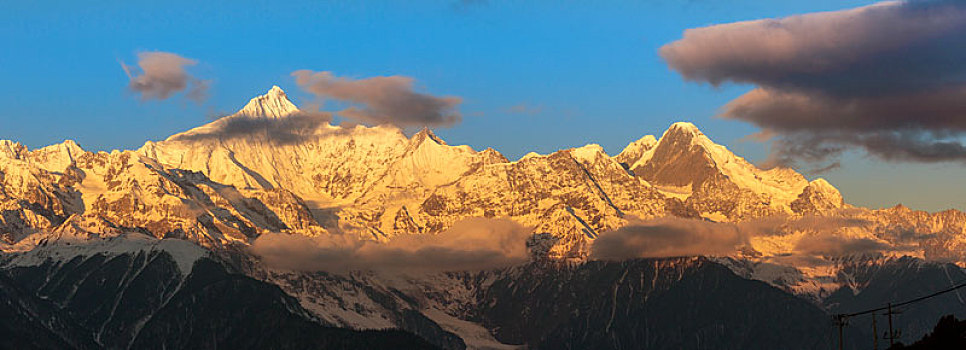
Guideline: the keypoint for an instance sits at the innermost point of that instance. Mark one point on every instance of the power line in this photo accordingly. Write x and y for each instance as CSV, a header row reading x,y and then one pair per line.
x,y
907,302
841,320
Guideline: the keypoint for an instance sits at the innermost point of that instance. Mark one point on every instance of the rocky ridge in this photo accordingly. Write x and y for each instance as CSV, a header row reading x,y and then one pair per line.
x,y
375,182
222,187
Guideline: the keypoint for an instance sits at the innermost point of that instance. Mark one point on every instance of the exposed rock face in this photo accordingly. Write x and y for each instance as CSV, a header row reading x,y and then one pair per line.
x,y
718,184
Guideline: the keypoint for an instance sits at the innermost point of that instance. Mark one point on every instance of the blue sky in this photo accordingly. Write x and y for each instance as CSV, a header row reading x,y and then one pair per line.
x,y
588,72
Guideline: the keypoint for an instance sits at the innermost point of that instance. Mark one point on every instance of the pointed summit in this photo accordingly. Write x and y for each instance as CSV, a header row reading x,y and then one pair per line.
x,y
685,157
635,150
273,104
684,127
686,132
424,134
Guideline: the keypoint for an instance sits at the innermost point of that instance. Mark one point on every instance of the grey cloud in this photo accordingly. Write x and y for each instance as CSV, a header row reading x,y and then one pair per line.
x,y
159,75
899,145
382,100
835,245
668,237
199,90
823,235
524,108
845,52
294,128
471,244
784,224
889,78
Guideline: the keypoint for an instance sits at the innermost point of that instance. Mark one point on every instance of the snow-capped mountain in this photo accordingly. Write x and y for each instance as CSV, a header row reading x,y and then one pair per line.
x,y
274,104
233,179
273,168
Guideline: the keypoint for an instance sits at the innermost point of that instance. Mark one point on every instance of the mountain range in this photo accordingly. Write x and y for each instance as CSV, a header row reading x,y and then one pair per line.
x,y
155,247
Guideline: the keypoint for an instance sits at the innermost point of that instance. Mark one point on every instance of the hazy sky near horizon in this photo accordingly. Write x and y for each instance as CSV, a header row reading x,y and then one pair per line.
x,y
533,76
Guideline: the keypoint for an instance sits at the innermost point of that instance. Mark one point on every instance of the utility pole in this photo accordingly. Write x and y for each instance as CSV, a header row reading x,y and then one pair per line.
x,y
875,334
892,339
840,320
893,334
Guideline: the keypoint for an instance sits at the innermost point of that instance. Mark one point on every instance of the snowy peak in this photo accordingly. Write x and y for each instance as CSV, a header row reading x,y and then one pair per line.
x,y
426,134
685,159
430,162
273,104
684,128
687,135
12,150
57,157
492,156
823,186
818,196
635,150
588,153
682,157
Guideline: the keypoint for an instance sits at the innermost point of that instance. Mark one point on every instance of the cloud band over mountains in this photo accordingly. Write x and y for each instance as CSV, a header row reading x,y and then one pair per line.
x,y
159,75
484,243
674,237
292,129
471,244
889,78
382,100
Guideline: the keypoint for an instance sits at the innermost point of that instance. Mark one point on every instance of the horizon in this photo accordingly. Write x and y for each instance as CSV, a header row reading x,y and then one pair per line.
x,y
410,132
512,77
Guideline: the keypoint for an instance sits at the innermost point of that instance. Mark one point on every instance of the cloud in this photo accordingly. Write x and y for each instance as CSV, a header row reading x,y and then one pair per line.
x,y
668,237
482,243
831,236
889,78
471,244
159,75
295,128
382,100
778,225
838,245
524,108
671,237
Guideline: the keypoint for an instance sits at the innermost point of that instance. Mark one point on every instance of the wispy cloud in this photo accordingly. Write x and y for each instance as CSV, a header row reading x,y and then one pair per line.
x,y
481,243
524,108
668,237
159,75
382,100
889,78
838,245
471,244
295,128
